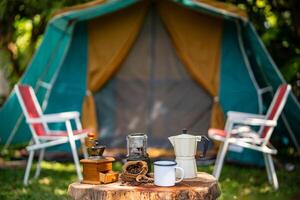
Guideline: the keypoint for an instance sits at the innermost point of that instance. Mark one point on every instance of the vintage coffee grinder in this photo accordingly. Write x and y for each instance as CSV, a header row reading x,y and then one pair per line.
x,y
137,148
185,147
97,169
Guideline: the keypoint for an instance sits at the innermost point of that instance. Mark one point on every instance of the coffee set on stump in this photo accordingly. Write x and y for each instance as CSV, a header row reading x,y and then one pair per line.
x,y
97,169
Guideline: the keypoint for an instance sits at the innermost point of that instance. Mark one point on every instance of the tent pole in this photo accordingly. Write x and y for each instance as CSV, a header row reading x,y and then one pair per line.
x,y
248,67
13,133
55,75
291,133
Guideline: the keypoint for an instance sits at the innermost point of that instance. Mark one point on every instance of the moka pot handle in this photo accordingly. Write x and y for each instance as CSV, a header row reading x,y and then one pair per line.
x,y
205,140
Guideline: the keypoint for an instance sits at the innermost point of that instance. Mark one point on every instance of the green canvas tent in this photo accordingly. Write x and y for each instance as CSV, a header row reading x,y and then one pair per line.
x,y
151,66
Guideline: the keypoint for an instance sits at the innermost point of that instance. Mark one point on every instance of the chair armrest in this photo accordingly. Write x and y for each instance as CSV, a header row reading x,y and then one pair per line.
x,y
254,121
237,115
57,117
64,115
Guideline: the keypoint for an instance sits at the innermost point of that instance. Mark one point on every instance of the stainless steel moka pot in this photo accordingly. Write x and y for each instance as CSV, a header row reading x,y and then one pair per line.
x,y
185,147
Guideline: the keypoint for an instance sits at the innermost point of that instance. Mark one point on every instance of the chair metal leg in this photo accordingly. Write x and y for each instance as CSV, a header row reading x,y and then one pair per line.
x,y
38,166
83,147
268,168
73,148
273,172
220,159
28,167
75,157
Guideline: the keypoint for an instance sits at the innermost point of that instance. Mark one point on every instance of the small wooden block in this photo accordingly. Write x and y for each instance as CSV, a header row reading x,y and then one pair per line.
x,y
108,177
91,169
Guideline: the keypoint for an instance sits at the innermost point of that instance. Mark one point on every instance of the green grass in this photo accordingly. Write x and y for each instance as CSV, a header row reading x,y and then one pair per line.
x,y
236,182
240,182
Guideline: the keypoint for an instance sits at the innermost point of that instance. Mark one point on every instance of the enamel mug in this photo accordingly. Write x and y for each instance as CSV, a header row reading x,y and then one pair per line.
x,y
165,173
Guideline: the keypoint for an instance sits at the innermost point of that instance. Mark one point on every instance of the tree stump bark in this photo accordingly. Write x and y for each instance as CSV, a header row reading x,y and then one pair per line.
x,y
204,186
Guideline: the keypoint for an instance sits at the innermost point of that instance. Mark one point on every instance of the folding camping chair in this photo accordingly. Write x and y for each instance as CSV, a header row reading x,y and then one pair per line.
x,y
236,133
42,136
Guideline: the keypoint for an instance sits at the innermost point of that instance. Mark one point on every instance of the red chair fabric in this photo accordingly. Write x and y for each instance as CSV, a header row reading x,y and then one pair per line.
x,y
218,132
31,108
274,110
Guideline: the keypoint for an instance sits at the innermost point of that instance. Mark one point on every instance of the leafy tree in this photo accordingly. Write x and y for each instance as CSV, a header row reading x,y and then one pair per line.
x,y
22,25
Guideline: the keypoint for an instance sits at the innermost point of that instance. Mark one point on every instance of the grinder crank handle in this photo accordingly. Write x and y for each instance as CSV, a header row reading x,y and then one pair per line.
x,y
205,140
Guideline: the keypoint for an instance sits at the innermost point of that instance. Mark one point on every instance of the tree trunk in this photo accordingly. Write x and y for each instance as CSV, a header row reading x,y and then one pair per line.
x,y
204,186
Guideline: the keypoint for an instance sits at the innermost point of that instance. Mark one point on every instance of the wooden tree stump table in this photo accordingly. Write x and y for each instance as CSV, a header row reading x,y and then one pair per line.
x,y
204,186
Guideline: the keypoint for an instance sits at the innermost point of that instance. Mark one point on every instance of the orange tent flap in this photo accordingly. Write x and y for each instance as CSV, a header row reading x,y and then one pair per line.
x,y
110,37
197,38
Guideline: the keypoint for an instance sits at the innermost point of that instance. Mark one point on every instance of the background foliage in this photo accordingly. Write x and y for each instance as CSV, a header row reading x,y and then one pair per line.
x,y
23,23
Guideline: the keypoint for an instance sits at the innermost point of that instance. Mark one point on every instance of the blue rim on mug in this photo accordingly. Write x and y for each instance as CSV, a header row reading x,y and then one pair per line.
x,y
165,163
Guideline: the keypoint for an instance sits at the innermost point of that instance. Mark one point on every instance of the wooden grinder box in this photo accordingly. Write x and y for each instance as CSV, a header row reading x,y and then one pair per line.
x,y
98,171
